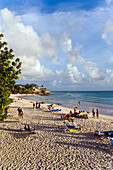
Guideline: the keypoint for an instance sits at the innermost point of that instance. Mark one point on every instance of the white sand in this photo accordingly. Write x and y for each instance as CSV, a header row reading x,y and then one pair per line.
x,y
52,148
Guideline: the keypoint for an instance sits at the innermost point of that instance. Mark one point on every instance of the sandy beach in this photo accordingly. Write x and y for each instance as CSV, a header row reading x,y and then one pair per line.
x,y
51,147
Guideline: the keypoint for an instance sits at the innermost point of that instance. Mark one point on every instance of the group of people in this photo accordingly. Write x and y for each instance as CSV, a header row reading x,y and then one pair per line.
x,y
21,113
36,105
71,114
95,113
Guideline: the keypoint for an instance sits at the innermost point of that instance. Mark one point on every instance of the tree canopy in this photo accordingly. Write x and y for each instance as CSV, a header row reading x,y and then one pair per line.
x,y
9,71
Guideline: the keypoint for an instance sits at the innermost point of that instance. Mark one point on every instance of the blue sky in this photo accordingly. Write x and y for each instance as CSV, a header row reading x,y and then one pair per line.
x,y
49,6
63,44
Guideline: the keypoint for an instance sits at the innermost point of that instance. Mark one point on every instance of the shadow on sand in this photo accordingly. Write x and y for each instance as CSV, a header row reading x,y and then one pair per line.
x,y
19,132
89,145
9,122
47,118
21,107
48,128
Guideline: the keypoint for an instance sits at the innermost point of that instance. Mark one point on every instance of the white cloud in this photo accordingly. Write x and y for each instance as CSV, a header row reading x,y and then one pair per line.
x,y
74,74
36,72
29,47
109,2
66,44
25,40
70,39
69,76
74,55
49,46
92,69
109,72
108,33
108,78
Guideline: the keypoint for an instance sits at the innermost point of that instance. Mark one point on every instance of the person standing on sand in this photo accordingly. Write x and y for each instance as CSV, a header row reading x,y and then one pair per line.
x,y
33,105
36,104
39,104
97,113
78,105
93,112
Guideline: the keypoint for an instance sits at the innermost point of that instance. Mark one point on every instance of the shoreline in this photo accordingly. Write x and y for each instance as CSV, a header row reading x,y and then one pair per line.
x,y
51,147
65,109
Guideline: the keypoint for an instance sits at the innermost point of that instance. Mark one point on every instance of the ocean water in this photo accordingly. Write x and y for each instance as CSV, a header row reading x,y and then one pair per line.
x,y
103,100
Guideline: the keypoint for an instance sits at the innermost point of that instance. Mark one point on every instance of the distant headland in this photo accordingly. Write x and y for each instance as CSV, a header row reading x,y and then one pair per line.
x,y
31,89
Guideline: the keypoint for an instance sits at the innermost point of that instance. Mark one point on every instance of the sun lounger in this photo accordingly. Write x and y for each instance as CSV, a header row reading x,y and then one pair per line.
x,y
110,146
73,128
77,115
81,114
55,105
108,136
104,133
55,110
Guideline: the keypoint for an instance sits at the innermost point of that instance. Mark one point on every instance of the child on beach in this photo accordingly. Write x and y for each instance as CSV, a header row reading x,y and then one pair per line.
x,y
20,113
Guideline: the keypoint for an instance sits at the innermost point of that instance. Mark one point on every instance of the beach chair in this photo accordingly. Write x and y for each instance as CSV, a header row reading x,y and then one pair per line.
x,y
104,133
108,136
72,128
55,110
82,114
111,142
55,105
110,146
52,109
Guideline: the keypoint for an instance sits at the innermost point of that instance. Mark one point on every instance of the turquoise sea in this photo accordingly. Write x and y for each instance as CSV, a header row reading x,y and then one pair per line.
x,y
103,100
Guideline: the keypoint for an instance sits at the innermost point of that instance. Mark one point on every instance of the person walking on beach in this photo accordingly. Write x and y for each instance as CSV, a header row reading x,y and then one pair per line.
x,y
93,112
20,113
97,113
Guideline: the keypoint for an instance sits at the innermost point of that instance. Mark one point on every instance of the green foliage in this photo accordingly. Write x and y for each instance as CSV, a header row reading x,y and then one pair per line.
x,y
43,91
8,73
23,89
33,85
